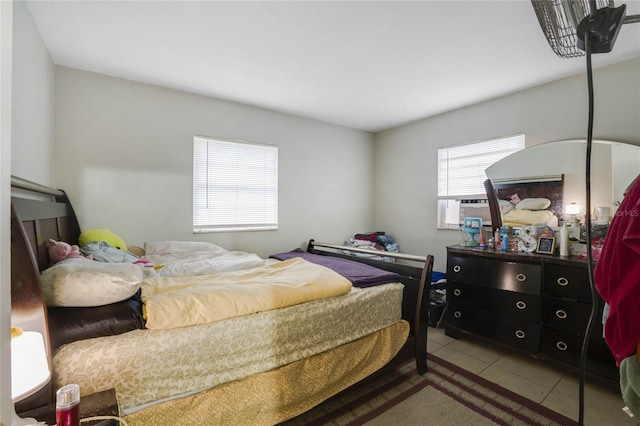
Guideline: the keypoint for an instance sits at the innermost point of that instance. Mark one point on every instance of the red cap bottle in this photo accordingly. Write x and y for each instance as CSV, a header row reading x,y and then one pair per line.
x,y
68,405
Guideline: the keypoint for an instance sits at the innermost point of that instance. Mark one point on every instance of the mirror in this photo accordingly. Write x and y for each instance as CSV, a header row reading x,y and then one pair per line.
x,y
614,165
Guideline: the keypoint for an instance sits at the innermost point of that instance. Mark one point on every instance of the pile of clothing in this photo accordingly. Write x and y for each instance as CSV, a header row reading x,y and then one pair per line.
x,y
378,241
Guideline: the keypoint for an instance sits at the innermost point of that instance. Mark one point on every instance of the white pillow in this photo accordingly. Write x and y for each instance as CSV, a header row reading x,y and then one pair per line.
x,y
533,204
84,282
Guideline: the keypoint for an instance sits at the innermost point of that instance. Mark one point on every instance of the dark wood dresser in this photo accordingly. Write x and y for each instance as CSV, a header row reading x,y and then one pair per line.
x,y
535,303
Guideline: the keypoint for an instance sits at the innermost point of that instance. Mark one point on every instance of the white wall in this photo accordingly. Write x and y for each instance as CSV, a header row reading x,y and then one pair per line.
x,y
405,157
33,102
6,23
624,157
27,121
124,155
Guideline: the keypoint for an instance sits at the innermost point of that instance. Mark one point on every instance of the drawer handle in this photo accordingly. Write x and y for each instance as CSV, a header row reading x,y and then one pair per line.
x,y
457,314
521,277
521,305
457,268
562,281
520,334
562,346
561,314
457,292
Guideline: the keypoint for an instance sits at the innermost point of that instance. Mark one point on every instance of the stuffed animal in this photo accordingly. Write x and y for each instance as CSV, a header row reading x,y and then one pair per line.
x,y
59,250
92,235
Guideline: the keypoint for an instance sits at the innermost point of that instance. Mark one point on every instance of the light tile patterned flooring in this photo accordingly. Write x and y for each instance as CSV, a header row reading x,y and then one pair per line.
x,y
550,385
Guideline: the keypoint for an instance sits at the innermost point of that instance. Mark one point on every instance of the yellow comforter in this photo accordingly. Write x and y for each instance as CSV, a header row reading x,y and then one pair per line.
x,y
173,302
526,217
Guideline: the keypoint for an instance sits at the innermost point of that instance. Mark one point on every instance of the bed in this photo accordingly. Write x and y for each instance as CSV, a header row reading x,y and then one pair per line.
x,y
526,201
258,368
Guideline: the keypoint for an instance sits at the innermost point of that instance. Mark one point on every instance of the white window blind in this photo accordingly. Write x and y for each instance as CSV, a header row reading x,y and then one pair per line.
x,y
235,186
461,168
461,174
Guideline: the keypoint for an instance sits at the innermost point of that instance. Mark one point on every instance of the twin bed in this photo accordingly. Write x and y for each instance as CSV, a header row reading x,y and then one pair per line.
x,y
252,362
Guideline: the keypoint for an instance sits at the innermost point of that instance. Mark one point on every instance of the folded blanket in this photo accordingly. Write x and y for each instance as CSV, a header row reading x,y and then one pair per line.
x,y
360,274
171,302
527,217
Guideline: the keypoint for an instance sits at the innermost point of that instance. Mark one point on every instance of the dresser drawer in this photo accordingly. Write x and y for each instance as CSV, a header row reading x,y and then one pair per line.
x,y
468,319
518,334
566,347
567,281
569,316
508,304
501,275
601,360
525,336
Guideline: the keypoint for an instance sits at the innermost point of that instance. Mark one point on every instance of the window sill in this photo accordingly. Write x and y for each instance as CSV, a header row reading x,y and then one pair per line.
x,y
234,229
448,227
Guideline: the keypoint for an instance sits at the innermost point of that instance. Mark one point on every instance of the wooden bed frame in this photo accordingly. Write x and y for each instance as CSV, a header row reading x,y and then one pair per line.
x,y
34,221
416,280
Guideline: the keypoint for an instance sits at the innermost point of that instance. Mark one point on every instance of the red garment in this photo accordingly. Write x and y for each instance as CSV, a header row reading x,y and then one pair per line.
x,y
617,276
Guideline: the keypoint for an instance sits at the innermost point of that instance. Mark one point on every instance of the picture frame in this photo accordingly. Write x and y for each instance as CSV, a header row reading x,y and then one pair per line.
x,y
546,245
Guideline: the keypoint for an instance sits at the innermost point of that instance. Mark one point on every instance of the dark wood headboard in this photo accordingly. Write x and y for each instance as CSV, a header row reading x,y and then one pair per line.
x,y
542,187
33,222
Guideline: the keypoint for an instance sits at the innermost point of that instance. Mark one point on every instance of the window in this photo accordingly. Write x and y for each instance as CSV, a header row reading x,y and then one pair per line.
x,y
235,186
461,174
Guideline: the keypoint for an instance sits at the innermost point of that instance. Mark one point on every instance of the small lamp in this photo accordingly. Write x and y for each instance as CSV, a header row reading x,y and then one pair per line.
x,y
29,368
572,209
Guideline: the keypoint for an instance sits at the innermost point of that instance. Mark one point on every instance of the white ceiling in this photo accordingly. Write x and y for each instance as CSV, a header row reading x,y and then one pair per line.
x,y
368,65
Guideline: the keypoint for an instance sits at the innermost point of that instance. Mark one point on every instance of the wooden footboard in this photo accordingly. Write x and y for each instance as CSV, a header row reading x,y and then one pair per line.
x,y
416,279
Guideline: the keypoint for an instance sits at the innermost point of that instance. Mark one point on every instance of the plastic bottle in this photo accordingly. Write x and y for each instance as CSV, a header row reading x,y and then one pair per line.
x,y
482,243
68,405
496,239
504,235
564,240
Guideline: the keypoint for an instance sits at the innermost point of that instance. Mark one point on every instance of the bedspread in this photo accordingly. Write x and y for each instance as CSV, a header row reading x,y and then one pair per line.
x,y
145,366
274,396
186,301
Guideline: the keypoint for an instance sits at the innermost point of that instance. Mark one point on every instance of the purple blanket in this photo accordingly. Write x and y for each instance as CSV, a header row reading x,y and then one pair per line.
x,y
360,274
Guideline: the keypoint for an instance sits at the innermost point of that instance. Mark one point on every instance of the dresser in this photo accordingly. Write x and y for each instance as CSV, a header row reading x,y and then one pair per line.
x,y
536,303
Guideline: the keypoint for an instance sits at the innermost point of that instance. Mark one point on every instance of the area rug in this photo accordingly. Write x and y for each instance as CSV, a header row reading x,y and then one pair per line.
x,y
446,395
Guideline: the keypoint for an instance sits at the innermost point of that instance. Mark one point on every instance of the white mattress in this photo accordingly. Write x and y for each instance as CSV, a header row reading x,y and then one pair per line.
x,y
147,366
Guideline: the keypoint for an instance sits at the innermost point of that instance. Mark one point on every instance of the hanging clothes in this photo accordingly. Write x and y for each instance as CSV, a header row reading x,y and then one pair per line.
x,y
617,276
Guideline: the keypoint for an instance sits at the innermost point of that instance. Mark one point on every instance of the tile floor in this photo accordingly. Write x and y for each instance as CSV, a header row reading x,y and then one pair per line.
x,y
550,385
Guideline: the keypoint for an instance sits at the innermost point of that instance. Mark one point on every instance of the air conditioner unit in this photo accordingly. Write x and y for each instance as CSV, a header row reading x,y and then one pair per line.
x,y
475,208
